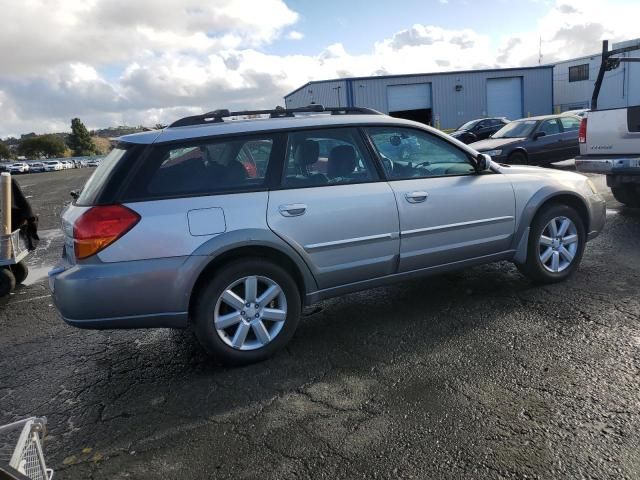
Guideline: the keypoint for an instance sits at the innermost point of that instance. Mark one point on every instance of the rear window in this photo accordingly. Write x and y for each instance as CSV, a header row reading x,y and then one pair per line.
x,y
203,167
97,182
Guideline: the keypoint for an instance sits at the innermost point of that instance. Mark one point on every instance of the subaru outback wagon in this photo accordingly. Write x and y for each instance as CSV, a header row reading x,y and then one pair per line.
x,y
232,226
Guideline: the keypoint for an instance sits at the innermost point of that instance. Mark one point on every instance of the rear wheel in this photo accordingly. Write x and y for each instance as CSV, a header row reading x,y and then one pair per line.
x,y
247,311
628,194
7,282
518,158
556,243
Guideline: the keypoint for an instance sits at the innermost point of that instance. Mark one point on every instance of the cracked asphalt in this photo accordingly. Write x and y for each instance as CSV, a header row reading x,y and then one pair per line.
x,y
477,374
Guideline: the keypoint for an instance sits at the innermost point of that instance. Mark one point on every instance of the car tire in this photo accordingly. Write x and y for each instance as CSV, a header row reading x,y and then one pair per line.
x,y
7,282
628,194
547,262
518,158
20,271
237,335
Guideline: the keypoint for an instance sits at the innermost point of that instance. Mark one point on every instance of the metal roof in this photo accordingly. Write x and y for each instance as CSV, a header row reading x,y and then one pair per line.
x,y
410,75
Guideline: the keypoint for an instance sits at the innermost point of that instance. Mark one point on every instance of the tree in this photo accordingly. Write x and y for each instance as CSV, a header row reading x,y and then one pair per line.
x,y
80,141
47,145
4,151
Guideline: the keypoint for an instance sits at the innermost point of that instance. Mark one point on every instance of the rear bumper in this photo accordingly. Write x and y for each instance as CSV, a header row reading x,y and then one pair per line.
x,y
140,294
609,164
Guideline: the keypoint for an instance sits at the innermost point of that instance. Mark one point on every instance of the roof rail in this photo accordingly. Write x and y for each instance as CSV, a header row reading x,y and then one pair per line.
x,y
217,116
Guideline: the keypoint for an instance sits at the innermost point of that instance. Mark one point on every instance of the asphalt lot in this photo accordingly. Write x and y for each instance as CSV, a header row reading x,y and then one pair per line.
x,y
478,374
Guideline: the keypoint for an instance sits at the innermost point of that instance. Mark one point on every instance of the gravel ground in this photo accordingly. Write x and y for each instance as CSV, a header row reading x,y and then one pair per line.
x,y
477,374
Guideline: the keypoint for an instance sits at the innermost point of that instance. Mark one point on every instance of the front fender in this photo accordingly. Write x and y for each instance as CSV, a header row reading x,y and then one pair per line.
x,y
532,207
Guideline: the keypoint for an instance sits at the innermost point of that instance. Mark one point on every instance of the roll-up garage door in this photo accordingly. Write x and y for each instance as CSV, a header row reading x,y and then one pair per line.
x,y
416,96
504,97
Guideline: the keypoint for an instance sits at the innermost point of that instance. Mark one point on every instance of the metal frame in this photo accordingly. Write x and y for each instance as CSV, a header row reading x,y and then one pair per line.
x,y
610,62
32,432
217,116
13,248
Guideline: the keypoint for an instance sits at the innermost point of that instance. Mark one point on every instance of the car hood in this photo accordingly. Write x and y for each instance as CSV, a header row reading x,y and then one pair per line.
x,y
494,143
540,172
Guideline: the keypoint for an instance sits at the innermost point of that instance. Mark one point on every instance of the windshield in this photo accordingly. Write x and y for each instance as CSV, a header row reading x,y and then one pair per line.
x,y
519,129
468,125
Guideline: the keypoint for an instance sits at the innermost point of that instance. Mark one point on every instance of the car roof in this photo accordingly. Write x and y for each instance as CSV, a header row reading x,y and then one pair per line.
x,y
257,125
545,117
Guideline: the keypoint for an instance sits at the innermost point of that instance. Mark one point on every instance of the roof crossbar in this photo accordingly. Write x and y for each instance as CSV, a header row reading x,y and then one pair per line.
x,y
218,116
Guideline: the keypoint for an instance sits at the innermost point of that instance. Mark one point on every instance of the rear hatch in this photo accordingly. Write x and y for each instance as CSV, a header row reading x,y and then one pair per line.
x,y
97,193
612,132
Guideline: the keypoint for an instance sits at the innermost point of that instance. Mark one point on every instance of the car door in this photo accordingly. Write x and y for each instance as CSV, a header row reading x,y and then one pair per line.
x,y
570,146
483,130
545,149
448,212
334,209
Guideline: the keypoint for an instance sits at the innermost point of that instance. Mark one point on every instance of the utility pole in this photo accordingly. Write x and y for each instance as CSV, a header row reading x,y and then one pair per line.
x,y
540,52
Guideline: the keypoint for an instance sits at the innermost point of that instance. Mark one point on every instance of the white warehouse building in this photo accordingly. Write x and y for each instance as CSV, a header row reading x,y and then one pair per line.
x,y
573,82
448,99
445,99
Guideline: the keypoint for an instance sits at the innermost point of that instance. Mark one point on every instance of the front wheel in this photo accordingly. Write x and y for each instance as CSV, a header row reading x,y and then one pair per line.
x,y
249,310
556,242
518,158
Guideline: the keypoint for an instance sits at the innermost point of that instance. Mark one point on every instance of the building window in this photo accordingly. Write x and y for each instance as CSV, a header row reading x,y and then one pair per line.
x,y
579,73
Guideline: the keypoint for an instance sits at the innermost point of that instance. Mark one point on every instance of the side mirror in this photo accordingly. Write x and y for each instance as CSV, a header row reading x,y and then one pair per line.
x,y
538,135
483,162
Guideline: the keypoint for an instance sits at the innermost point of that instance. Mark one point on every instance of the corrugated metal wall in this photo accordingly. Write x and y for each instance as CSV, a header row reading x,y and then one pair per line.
x,y
620,88
450,107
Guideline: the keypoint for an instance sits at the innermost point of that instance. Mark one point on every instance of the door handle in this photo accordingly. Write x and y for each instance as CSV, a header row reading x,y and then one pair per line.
x,y
416,197
292,209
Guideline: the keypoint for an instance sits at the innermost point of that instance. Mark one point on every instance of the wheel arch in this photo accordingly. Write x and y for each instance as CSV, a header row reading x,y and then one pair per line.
x,y
257,245
539,202
520,150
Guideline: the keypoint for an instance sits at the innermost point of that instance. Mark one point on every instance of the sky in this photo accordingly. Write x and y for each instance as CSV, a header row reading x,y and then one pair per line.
x,y
143,62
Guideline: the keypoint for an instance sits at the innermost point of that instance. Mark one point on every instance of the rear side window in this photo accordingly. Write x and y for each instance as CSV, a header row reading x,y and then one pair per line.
x,y
97,183
326,157
203,167
570,123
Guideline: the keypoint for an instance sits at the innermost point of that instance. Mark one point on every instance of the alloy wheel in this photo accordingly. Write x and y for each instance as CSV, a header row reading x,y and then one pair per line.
x,y
558,244
250,312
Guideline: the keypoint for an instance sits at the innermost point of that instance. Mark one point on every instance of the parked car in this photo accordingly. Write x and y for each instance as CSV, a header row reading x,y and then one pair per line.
x,y
578,113
52,165
534,141
479,129
94,162
36,167
172,231
19,167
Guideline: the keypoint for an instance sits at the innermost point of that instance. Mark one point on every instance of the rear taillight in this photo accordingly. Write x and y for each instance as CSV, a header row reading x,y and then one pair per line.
x,y
100,226
582,133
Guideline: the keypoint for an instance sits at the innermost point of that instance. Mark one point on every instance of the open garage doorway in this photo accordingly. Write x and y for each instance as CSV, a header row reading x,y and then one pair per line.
x,y
422,115
410,101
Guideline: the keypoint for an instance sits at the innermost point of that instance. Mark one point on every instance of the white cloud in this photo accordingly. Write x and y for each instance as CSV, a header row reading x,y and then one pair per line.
x,y
191,55
295,35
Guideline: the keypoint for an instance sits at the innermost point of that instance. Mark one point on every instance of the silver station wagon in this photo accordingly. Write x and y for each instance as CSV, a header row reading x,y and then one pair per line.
x,y
232,226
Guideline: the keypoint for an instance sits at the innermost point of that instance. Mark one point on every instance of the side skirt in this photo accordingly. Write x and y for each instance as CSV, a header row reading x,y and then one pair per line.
x,y
314,297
